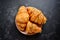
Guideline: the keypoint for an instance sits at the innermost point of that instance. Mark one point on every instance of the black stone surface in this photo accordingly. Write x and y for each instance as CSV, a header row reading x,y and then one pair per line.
x,y
9,8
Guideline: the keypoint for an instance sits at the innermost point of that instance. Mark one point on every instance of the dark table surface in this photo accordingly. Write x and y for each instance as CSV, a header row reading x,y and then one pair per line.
x,y
9,8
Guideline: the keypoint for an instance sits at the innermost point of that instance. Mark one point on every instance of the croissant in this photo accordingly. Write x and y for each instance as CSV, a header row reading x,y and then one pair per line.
x,y
32,28
36,15
22,18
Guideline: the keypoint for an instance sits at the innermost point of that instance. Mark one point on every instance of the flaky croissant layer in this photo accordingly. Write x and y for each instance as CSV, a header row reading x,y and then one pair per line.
x,y
30,20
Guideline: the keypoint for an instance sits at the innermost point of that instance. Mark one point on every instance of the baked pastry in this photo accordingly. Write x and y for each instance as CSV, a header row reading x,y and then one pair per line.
x,y
22,18
32,28
36,15
29,20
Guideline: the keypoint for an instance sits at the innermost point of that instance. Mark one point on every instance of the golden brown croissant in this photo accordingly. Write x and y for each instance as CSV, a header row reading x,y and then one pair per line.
x,y
36,15
22,18
32,28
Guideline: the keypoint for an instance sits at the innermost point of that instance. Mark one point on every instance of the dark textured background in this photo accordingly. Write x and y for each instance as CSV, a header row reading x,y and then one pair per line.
x,y
9,8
